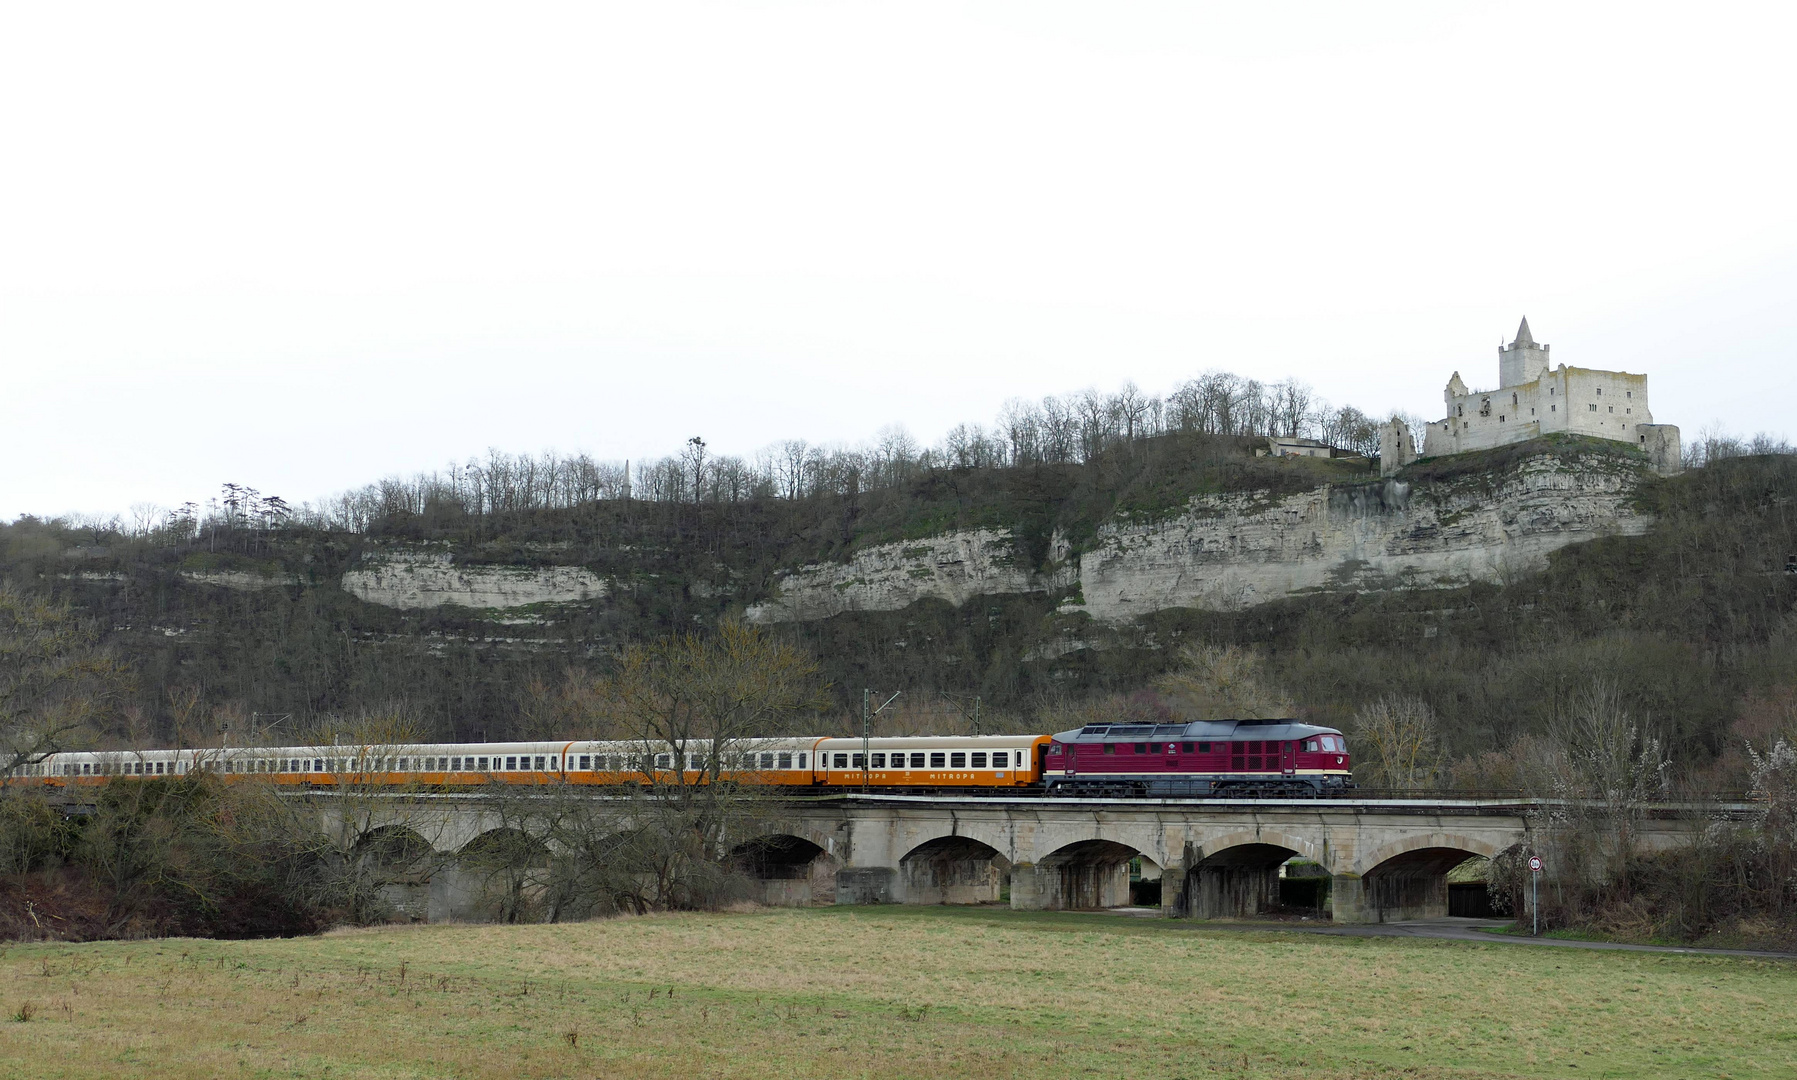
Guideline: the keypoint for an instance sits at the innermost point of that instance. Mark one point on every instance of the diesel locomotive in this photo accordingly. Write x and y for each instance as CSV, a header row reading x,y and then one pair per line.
x,y
1214,758
1217,758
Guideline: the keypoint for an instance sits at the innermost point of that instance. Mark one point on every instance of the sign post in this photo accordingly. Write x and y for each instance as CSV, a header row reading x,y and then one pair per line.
x,y
1535,894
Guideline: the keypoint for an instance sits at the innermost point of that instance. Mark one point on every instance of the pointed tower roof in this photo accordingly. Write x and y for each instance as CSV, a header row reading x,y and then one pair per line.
x,y
1523,337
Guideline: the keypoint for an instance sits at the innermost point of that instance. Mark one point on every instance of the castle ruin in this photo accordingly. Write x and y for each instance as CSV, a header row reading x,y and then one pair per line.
x,y
1535,399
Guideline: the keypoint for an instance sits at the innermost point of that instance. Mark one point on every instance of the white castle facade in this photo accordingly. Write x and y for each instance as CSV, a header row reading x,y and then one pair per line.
x,y
1533,399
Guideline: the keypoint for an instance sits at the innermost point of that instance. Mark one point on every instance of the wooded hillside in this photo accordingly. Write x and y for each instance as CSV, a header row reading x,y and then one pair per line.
x,y
245,614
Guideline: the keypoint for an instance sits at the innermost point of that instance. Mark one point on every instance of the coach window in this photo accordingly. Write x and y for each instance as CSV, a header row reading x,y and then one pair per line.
x,y
801,761
483,763
977,761
878,761
842,761
957,761
510,763
786,760
938,760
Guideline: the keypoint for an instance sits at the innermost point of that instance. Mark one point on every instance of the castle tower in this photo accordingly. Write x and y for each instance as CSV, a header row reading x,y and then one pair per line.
x,y
1521,360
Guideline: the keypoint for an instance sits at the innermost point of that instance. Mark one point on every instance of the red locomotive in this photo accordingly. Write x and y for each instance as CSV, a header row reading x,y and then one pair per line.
x,y
1220,758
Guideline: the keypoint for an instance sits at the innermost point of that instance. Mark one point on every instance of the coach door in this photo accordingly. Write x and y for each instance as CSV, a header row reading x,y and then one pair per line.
x,y
1288,757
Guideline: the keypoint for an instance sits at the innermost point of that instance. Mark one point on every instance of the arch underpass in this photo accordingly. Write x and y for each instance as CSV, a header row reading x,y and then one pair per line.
x,y
1235,882
786,870
1084,875
1410,884
953,870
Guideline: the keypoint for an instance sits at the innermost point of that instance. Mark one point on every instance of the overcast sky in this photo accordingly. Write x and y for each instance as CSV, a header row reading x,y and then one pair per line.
x,y
301,248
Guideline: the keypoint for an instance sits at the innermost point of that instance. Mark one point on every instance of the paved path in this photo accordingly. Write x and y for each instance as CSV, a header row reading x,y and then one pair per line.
x,y
1456,929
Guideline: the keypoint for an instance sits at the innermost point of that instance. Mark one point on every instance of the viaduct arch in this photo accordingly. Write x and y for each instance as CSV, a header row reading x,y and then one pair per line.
x,y
1386,860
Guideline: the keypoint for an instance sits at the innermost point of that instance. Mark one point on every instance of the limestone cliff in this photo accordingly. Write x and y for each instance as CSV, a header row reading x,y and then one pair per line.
x,y
1224,552
1231,551
887,577
411,580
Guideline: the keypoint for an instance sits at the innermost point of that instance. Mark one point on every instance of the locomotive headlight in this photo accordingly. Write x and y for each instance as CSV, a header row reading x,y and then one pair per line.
x,y
1338,759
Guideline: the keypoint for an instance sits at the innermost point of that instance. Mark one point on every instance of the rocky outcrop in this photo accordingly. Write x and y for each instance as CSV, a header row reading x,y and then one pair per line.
x,y
1231,551
887,577
412,580
241,580
1225,552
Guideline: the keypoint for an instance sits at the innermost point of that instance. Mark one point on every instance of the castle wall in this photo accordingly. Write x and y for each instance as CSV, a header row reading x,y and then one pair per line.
x,y
1660,442
1581,401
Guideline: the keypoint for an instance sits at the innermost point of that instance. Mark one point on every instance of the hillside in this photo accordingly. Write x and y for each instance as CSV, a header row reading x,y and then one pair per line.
x,y
1490,584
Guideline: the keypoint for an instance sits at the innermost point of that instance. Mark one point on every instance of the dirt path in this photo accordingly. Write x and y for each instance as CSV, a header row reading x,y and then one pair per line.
x,y
1456,929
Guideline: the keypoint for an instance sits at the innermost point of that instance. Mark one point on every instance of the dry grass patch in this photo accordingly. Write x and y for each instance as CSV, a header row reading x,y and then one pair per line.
x,y
882,992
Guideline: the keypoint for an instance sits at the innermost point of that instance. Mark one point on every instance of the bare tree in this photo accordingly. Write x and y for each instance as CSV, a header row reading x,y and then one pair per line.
x,y
692,460
56,682
699,694
1215,681
1396,744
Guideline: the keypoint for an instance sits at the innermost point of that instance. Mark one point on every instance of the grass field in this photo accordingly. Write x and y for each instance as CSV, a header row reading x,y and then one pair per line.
x,y
882,992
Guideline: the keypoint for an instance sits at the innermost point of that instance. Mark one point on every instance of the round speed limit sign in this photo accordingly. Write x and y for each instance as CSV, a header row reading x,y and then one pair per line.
x,y
1534,864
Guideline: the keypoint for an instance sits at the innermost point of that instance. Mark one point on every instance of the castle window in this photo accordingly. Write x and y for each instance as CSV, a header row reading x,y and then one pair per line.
x,y
1550,391
1459,410
1628,410
1513,400
1531,411
1612,408
1628,393
1500,418
1553,408
1600,391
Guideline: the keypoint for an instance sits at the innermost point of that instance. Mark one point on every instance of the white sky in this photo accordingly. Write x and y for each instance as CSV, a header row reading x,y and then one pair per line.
x,y
302,248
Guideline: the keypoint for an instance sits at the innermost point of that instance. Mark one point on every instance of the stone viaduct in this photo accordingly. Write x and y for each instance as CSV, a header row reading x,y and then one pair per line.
x,y
1388,859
